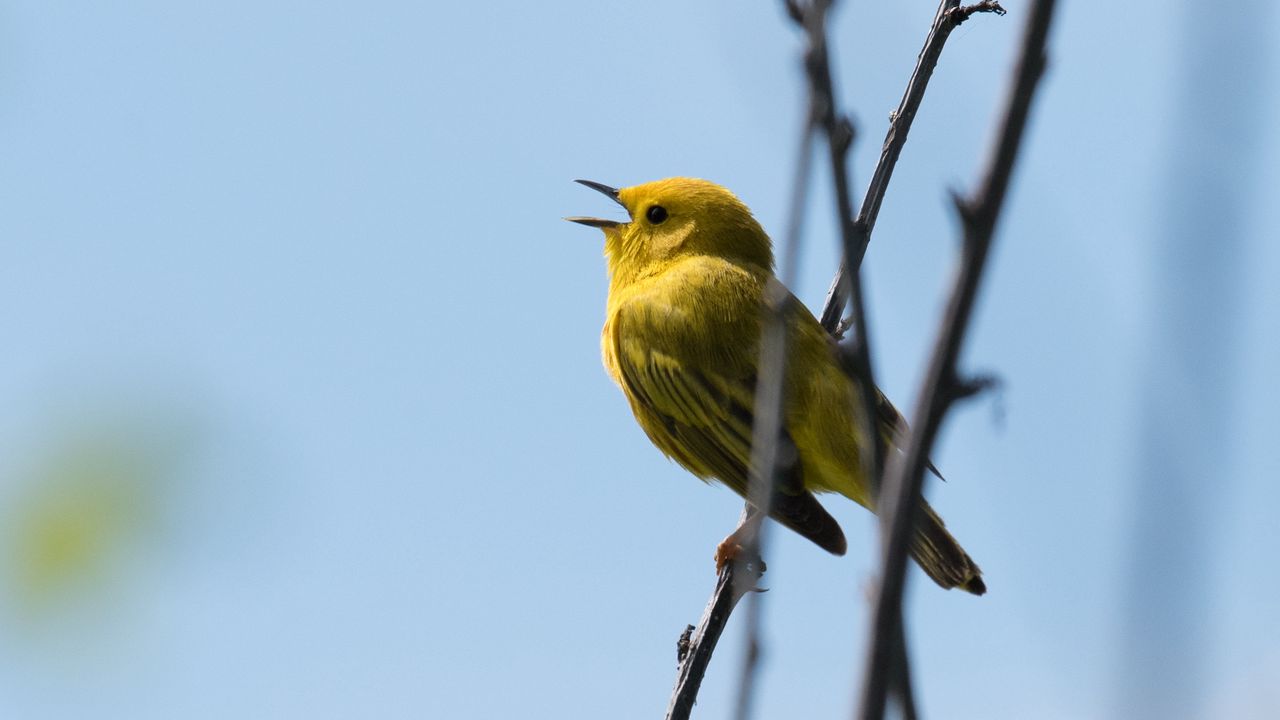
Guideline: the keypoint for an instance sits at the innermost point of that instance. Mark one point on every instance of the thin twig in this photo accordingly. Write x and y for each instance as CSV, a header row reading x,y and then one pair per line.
x,y
766,432
899,499
839,132
949,15
697,648
766,429
855,235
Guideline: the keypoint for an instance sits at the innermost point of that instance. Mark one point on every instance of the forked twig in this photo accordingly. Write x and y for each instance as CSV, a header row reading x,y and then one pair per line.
x,y
949,16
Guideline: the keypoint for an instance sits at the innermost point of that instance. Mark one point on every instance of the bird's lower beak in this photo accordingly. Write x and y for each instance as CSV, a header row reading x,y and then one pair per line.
x,y
599,222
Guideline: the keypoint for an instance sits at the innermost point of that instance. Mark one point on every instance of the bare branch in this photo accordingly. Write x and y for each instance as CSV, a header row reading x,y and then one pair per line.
x,y
949,15
855,235
840,133
899,499
738,578
961,14
697,644
766,430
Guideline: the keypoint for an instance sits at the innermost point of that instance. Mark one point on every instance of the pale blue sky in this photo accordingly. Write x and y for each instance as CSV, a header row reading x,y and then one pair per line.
x,y
308,258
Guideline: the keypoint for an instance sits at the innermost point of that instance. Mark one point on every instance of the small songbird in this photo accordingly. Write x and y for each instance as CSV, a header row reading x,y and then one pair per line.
x,y
687,275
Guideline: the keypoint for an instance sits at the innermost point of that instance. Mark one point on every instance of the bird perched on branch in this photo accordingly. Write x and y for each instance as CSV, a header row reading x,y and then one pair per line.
x,y
687,277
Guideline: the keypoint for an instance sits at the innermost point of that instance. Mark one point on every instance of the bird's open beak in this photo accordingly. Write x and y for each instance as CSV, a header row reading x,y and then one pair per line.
x,y
599,222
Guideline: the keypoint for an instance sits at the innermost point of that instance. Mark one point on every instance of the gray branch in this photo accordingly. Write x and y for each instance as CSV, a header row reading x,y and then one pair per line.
x,y
698,643
949,16
899,499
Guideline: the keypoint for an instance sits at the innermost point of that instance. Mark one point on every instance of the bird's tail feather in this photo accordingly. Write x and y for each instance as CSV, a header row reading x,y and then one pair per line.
x,y
803,514
941,557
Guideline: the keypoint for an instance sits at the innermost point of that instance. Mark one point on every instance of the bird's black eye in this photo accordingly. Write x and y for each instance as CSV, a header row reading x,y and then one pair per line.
x,y
656,214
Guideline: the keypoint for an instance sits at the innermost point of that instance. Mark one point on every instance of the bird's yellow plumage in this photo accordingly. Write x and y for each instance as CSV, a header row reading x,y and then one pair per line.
x,y
681,338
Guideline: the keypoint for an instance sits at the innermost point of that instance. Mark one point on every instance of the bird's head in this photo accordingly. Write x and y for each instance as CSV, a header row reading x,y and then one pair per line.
x,y
678,217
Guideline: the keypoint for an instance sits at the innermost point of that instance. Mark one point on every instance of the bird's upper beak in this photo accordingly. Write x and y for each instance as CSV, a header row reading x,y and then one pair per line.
x,y
599,222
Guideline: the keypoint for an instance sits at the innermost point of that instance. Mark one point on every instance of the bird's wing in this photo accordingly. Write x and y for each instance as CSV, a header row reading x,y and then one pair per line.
x,y
701,414
894,429
711,431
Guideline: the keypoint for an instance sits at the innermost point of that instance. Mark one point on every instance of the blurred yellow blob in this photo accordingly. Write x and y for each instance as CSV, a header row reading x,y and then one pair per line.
x,y
78,518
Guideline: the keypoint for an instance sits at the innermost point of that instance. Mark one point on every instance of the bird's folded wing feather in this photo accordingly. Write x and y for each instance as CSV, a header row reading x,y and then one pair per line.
x,y
695,401
704,413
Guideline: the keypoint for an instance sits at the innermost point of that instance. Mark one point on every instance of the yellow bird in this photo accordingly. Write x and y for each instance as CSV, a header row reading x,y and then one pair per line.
x,y
687,273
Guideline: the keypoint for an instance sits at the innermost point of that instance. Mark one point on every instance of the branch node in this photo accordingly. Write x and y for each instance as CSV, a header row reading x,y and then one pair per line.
x,y
965,388
794,11
848,353
841,328
815,64
960,14
682,645
754,567
965,208
843,134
